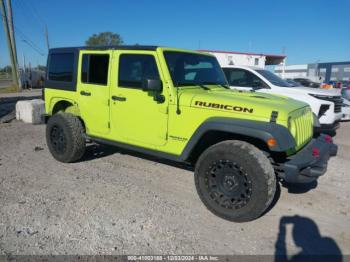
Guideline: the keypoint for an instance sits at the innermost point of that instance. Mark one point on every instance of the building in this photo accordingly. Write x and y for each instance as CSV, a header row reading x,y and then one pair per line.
x,y
320,72
227,59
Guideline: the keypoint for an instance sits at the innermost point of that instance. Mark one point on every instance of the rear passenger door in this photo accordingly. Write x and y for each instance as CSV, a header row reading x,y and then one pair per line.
x,y
94,90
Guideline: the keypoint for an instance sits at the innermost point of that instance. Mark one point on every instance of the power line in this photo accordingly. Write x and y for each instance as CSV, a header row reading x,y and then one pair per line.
x,y
29,42
29,17
35,12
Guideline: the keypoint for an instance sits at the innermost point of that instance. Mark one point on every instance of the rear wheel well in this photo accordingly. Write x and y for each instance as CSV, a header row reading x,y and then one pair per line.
x,y
213,137
62,106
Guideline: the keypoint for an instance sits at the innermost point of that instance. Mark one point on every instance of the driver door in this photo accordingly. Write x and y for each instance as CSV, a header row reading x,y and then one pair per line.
x,y
136,116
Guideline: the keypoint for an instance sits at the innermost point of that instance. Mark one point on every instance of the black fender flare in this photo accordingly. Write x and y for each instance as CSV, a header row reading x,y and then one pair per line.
x,y
255,129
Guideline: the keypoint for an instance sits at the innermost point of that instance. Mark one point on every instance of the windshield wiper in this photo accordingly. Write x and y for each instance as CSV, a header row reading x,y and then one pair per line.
x,y
178,84
226,86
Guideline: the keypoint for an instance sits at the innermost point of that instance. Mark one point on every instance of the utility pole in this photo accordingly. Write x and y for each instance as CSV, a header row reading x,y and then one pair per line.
x,y
47,37
8,38
12,38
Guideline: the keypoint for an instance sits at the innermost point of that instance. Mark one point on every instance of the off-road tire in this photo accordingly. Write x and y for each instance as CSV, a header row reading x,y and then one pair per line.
x,y
244,177
65,137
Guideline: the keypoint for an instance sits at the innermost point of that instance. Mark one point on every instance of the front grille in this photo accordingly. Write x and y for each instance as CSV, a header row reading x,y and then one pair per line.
x,y
302,123
337,100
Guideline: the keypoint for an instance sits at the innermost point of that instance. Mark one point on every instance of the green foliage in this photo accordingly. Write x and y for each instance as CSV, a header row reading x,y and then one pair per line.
x,y
41,67
104,39
6,69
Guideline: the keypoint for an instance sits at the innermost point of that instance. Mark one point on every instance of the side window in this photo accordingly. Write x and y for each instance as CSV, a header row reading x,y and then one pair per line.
x,y
237,77
254,81
133,69
243,78
256,61
94,69
61,67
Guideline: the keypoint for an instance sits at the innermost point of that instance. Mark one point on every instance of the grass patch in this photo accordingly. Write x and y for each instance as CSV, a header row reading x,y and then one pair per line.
x,y
10,89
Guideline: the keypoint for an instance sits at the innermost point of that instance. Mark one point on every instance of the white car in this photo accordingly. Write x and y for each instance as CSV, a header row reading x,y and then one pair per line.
x,y
346,110
326,104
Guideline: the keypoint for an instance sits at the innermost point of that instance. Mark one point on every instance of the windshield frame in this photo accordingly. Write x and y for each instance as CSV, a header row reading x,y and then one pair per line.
x,y
211,59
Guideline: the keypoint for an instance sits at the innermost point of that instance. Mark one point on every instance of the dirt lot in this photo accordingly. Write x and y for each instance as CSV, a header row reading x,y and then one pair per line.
x,y
116,203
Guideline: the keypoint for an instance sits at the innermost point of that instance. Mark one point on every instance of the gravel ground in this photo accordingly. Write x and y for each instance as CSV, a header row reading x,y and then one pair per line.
x,y
115,202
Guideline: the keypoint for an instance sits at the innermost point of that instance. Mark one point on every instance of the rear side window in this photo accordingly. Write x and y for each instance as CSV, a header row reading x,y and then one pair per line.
x,y
134,69
95,69
61,67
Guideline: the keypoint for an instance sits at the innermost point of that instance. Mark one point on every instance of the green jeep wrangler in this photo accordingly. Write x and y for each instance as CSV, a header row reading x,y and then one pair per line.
x,y
176,104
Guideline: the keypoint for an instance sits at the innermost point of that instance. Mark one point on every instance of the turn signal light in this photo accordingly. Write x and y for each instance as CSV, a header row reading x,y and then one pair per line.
x,y
328,139
271,142
315,152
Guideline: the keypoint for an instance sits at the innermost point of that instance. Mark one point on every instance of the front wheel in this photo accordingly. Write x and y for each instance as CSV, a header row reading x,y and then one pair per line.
x,y
235,180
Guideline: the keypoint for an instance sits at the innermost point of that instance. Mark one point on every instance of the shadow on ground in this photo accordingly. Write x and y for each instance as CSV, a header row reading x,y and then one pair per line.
x,y
8,104
94,151
299,188
306,236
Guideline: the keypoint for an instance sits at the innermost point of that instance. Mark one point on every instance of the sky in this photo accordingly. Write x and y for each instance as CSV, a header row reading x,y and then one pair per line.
x,y
307,30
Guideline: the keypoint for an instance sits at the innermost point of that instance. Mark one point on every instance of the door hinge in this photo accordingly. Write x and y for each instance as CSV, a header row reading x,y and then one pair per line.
x,y
109,124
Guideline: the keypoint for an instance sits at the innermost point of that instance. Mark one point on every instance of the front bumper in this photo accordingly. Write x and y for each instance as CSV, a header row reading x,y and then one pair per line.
x,y
327,128
346,113
310,162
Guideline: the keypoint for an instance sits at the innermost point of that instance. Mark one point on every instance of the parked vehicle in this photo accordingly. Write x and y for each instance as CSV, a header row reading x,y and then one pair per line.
x,y
326,86
292,82
345,90
326,104
176,104
307,82
346,110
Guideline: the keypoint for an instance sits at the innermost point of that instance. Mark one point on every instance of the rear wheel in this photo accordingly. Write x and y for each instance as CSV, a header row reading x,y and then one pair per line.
x,y
65,137
235,180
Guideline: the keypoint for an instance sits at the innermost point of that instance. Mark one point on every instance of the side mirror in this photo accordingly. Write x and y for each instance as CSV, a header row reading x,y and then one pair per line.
x,y
155,85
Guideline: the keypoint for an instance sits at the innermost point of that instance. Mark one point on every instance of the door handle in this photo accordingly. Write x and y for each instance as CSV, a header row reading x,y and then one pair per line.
x,y
83,93
118,98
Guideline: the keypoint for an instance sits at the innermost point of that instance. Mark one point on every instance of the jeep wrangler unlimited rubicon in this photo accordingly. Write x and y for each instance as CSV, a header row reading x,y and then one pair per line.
x,y
176,104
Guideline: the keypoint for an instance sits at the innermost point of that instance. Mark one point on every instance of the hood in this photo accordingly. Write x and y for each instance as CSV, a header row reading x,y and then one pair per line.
x,y
318,91
242,102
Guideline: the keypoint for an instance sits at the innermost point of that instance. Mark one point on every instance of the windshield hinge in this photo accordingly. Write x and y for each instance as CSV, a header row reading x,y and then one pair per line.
x,y
274,115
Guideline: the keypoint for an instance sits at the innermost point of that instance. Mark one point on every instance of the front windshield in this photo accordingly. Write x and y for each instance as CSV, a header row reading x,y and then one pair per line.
x,y
273,79
187,69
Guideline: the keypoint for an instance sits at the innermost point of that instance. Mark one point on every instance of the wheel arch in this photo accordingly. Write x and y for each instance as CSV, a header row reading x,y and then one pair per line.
x,y
216,130
66,106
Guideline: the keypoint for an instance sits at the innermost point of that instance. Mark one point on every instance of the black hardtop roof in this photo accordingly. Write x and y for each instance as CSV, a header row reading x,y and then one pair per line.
x,y
116,47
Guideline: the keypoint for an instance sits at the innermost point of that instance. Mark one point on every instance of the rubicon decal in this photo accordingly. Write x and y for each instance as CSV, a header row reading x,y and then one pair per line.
x,y
225,107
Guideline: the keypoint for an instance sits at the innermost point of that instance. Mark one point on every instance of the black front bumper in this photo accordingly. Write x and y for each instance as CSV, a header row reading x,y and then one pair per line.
x,y
310,162
327,129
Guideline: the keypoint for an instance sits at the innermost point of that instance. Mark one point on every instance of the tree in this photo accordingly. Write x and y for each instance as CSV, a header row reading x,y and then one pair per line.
x,y
41,67
104,39
6,69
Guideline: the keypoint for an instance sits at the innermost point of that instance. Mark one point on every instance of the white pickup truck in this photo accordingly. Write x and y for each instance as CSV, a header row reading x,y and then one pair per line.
x,y
326,104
